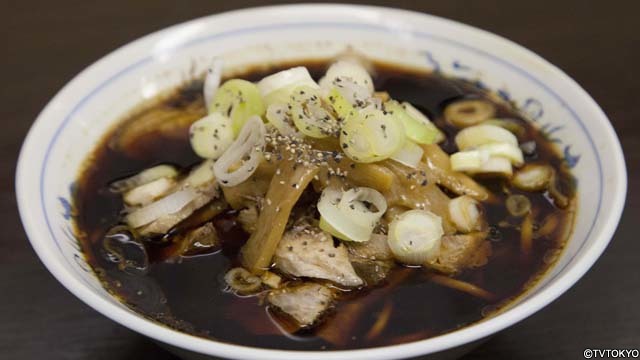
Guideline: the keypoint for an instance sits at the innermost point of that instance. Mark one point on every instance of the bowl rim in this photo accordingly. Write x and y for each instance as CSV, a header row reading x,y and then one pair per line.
x,y
445,341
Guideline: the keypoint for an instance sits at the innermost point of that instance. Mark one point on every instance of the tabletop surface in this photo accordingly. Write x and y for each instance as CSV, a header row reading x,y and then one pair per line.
x,y
44,44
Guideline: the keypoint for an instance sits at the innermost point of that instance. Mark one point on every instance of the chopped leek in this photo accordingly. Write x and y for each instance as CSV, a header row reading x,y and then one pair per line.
x,y
169,204
277,88
371,135
211,135
417,126
465,113
279,116
347,215
533,177
474,136
144,177
495,166
201,175
308,114
518,205
245,151
147,193
212,81
470,160
510,124
348,70
414,236
356,95
486,149
464,211
340,105
409,154
508,151
239,100
356,205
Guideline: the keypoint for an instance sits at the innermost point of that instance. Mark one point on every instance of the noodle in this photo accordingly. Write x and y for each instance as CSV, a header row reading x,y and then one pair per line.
x,y
461,286
381,322
526,235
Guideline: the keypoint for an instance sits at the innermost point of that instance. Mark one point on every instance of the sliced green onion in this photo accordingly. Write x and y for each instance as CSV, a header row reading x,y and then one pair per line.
x,y
518,205
470,160
144,177
347,70
356,205
211,135
508,151
385,133
279,116
465,113
201,175
340,105
334,221
533,177
464,211
495,166
277,88
475,136
417,126
414,236
371,135
147,193
212,81
326,226
354,141
239,100
245,153
169,204
242,281
510,124
409,154
356,95
308,114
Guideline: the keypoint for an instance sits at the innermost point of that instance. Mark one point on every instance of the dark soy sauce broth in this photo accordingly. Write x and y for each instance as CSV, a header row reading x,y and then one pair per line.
x,y
189,294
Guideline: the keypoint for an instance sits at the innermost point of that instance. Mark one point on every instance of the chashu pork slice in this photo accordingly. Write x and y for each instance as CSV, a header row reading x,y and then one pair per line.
x,y
307,251
305,303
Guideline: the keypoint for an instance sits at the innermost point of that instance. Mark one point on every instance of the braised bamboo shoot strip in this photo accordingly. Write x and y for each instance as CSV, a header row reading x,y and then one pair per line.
x,y
411,189
439,170
374,176
284,191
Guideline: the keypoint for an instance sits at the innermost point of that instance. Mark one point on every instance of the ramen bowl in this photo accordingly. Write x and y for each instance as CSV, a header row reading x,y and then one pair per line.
x,y
75,120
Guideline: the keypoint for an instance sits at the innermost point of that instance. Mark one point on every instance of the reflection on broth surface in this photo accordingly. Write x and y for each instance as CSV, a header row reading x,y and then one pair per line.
x,y
178,272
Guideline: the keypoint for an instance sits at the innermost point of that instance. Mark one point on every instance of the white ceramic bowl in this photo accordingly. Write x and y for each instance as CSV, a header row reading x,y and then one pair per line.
x,y
74,120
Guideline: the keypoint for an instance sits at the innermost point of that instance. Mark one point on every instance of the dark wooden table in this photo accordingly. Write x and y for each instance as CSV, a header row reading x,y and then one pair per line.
x,y
45,43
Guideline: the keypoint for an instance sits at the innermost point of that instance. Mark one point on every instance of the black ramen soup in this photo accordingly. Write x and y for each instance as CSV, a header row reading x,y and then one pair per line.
x,y
323,205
